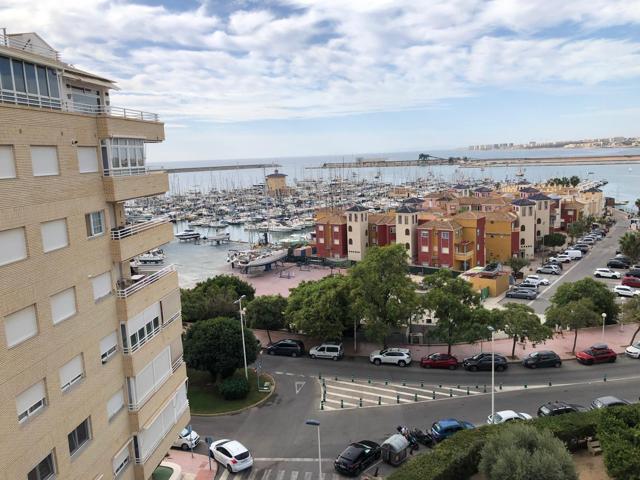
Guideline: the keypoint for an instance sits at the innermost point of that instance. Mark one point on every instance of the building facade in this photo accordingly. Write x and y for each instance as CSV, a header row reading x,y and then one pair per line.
x,y
331,236
92,383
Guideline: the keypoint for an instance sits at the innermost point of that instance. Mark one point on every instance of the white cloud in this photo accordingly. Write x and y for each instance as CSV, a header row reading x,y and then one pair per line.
x,y
314,58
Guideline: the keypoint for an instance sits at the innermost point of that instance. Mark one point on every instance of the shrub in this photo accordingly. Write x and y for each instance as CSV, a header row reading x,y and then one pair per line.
x,y
619,435
520,451
234,388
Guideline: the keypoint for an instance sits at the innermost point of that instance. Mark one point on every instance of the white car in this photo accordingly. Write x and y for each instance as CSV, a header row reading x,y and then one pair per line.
x,y
186,440
633,350
231,454
562,258
394,356
625,291
606,273
537,280
508,416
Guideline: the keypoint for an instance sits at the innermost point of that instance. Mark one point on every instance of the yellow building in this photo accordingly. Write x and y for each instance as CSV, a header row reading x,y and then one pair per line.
x,y
500,230
276,183
92,382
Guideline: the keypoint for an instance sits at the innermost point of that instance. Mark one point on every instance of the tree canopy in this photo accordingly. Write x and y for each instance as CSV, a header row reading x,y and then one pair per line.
x,y
384,296
321,308
266,312
214,297
630,245
215,346
519,321
517,263
574,315
576,229
554,240
631,314
602,298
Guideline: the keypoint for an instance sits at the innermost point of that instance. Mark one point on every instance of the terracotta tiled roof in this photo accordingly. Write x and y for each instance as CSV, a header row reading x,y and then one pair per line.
x,y
501,216
470,215
441,225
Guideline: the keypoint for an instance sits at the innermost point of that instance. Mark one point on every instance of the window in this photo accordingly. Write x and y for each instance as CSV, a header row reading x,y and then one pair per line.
x,y
101,285
13,246
149,378
522,241
425,248
522,228
538,233
115,403
539,221
445,235
126,152
406,231
87,159
351,241
350,228
71,373
530,211
336,228
350,219
31,401
20,326
7,162
407,246
393,230
321,240
108,347
445,250
44,161
54,235
79,436
142,327
63,305
424,234
321,228
336,241
121,460
44,470
95,223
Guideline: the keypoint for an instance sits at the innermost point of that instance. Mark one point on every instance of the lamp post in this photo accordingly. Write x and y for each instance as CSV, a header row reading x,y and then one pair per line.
x,y
316,423
604,319
244,349
493,375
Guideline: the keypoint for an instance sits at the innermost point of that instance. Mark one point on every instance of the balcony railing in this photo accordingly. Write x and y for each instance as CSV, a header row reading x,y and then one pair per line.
x,y
125,171
147,338
12,42
176,364
126,288
130,230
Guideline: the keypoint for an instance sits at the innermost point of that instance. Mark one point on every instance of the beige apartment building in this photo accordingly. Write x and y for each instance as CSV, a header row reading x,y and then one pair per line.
x,y
92,382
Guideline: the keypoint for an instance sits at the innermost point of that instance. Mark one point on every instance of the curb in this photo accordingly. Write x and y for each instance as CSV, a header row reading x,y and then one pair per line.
x,y
232,412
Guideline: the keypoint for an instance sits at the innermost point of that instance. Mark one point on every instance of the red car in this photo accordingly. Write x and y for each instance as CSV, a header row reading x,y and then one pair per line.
x,y
439,360
631,281
598,353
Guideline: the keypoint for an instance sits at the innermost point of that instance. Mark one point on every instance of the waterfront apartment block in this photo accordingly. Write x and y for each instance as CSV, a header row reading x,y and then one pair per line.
x,y
92,382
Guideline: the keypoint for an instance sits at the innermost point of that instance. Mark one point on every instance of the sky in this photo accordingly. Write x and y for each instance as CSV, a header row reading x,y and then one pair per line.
x,y
269,78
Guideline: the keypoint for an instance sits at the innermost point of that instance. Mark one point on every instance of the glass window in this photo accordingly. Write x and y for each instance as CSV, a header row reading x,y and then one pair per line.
x,y
32,83
95,223
79,437
42,81
18,76
6,79
52,75
44,470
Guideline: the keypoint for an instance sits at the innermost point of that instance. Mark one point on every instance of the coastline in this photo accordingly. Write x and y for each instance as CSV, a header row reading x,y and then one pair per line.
x,y
553,161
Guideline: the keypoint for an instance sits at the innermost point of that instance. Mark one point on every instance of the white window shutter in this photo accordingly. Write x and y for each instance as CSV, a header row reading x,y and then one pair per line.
x,y
87,159
101,285
7,162
115,403
20,326
30,397
44,161
13,246
71,371
54,234
108,342
63,305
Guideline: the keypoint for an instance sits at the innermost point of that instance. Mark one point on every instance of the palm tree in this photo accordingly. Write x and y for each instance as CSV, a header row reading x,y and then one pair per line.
x,y
631,314
630,245
638,205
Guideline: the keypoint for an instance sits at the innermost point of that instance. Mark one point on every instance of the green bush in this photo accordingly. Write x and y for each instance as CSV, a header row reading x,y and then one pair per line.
x,y
619,435
521,451
570,427
234,388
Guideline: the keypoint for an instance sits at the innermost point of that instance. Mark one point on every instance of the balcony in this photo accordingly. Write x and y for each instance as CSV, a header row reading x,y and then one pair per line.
x,y
134,295
132,240
125,122
464,251
133,182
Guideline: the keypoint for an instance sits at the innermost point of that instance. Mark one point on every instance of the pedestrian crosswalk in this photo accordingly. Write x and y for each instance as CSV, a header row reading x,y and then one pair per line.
x,y
256,473
336,393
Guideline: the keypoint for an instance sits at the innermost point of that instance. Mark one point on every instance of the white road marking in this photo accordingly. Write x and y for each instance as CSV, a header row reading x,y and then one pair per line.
x,y
265,475
375,394
294,475
299,386
224,475
279,373
307,475
290,374
252,475
280,475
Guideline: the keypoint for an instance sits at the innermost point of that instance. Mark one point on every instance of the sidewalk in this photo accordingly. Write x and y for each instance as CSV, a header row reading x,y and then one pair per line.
x,y
196,468
561,343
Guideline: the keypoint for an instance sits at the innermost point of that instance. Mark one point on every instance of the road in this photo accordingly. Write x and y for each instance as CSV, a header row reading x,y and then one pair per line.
x,y
576,270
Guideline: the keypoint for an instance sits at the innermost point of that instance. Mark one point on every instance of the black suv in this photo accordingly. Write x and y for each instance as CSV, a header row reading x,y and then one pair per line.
x,y
482,361
617,263
543,358
559,408
288,346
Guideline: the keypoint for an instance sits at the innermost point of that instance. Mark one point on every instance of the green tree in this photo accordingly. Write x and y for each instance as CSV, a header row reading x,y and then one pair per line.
x,y
215,346
214,297
517,263
574,315
574,180
522,452
384,295
638,205
603,299
519,321
576,229
453,302
321,308
630,245
266,312
631,314
554,240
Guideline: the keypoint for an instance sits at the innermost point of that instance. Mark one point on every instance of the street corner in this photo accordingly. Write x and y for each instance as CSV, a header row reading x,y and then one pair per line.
x,y
194,466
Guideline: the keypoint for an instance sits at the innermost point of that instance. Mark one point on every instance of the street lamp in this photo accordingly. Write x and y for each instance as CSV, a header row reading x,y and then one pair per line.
x,y
604,318
493,376
244,349
316,423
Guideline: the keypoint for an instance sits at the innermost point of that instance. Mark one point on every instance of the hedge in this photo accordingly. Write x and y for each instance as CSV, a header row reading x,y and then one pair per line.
x,y
457,458
234,388
619,435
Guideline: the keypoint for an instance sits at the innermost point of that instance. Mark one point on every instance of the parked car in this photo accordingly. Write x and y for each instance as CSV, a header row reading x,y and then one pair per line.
x,y
588,240
573,254
598,353
522,293
231,454
357,457
625,291
634,272
507,416
615,263
623,258
446,427
606,273
186,440
633,351
548,269
395,356
583,247
631,281
553,264
288,346
552,409
561,258
608,401
483,362
537,279
439,360
542,358
528,286
334,351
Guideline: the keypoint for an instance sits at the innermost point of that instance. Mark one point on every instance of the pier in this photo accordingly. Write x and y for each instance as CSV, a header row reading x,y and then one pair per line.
x,y
218,168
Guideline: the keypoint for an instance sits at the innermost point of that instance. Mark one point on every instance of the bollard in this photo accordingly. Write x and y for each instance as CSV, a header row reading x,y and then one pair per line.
x,y
320,375
525,386
369,381
324,384
421,384
352,380
500,387
404,383
379,400
458,387
440,385
605,377
360,403
386,382
415,397
549,382
476,387
450,393
485,388
335,378
321,405
341,403
467,390
434,395
397,398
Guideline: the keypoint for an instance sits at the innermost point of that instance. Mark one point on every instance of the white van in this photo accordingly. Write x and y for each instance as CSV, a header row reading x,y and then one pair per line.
x,y
574,254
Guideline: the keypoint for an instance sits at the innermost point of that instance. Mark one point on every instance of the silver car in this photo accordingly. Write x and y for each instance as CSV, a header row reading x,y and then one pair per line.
x,y
334,351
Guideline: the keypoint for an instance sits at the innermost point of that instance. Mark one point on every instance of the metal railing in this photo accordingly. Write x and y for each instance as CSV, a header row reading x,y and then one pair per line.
x,y
134,407
125,171
127,288
130,230
147,338
171,319
12,42
176,364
